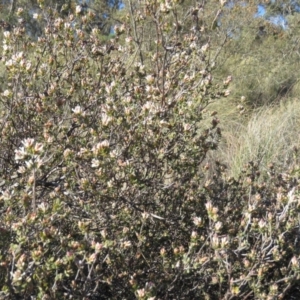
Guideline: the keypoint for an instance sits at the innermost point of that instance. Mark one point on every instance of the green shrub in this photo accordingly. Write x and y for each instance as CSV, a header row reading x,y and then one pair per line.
x,y
102,150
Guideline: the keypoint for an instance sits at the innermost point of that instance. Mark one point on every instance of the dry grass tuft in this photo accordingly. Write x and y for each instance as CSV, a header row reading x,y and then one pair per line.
x,y
270,135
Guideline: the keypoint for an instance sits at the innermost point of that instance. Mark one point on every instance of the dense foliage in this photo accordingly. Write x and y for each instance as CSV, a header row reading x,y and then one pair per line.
x,y
106,192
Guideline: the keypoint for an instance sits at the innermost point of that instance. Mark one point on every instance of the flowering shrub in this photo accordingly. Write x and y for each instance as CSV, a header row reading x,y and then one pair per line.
x,y
102,179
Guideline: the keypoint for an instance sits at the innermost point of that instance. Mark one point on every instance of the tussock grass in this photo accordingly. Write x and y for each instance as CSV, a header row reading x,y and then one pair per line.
x,y
270,135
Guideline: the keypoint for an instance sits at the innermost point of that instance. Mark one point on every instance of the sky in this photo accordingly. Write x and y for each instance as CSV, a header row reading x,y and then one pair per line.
x,y
278,20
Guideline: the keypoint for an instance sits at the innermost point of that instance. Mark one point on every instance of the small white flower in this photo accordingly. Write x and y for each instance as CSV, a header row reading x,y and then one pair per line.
x,y
197,221
92,258
19,56
126,244
114,153
38,148
17,276
193,45
95,163
43,206
295,262
218,225
67,25
78,9
150,79
21,170
28,143
215,242
6,48
227,93
20,153
7,93
186,126
29,163
98,247
224,242
95,31
194,235
10,63
6,34
67,153
209,206
141,293
145,215
204,48
99,146
20,10
36,16
223,2
262,224
58,22
78,110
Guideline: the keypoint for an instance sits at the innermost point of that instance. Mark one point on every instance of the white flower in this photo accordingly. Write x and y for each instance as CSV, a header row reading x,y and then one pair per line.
x,y
38,148
20,153
98,247
7,93
109,88
145,215
227,93
17,276
36,16
209,207
126,244
78,9
43,206
223,2
19,55
294,261
193,45
147,106
215,242
21,170
29,163
140,68
224,241
6,48
262,224
67,25
194,234
186,126
114,153
150,79
141,293
9,63
6,34
204,48
99,146
95,163
95,31
28,143
78,111
92,258
20,10
58,22
28,66
218,225
67,153
197,221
